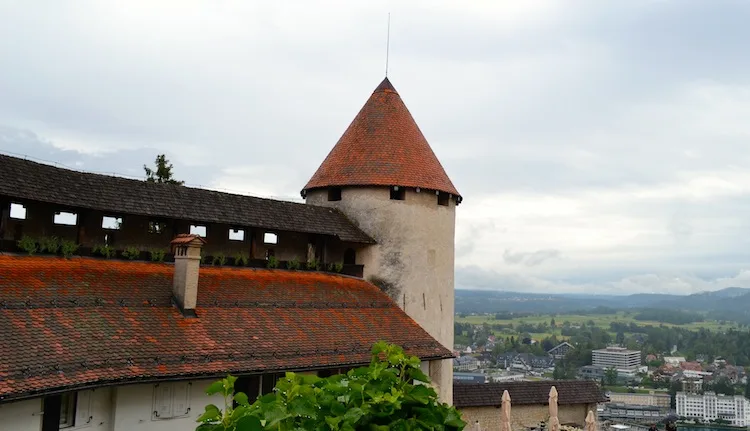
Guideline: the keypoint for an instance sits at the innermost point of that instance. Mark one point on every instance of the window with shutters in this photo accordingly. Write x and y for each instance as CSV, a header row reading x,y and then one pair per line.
x,y
83,409
75,409
67,410
171,400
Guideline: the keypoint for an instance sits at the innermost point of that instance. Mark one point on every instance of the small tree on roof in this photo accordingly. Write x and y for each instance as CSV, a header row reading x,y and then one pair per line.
x,y
162,173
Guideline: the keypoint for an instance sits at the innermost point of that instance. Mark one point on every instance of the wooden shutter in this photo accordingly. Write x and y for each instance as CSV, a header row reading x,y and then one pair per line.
x,y
83,408
181,399
162,401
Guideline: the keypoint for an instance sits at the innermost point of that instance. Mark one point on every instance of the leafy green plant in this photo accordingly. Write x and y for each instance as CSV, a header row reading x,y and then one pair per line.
x,y
293,264
272,262
28,244
131,253
67,248
335,267
220,259
313,265
241,259
103,250
391,394
157,254
50,244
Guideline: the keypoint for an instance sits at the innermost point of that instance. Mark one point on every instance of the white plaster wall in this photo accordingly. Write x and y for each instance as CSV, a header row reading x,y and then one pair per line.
x,y
21,415
134,406
27,415
415,252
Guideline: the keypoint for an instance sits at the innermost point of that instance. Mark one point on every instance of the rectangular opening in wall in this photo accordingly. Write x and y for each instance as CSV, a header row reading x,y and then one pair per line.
x,y
196,229
17,211
156,227
112,223
67,410
334,194
443,199
236,235
65,218
398,193
270,238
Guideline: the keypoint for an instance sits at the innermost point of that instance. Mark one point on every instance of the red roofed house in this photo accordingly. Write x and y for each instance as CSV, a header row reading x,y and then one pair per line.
x,y
170,287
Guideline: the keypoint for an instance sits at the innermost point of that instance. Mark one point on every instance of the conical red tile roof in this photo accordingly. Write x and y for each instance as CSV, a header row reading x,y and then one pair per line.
x,y
383,146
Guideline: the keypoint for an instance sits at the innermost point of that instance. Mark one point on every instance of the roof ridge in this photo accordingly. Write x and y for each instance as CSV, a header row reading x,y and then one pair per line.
x,y
133,178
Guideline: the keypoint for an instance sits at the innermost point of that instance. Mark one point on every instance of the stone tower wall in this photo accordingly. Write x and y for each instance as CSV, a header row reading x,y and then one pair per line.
x,y
413,260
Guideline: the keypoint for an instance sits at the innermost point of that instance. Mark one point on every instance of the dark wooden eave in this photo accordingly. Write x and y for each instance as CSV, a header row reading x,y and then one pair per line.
x,y
30,181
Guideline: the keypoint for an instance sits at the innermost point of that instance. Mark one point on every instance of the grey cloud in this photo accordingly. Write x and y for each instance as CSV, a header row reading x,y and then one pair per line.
x,y
530,258
129,163
472,277
587,97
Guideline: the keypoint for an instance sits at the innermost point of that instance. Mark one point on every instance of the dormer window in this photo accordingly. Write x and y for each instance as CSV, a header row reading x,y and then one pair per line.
x,y
64,218
398,193
17,211
112,223
196,229
156,227
334,194
236,235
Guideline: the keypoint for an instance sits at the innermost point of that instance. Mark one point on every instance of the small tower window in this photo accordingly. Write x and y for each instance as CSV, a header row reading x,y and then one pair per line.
x,y
398,193
443,199
334,194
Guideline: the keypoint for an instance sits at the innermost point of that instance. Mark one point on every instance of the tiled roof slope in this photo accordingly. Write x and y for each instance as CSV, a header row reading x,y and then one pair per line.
x,y
24,179
89,322
524,393
383,146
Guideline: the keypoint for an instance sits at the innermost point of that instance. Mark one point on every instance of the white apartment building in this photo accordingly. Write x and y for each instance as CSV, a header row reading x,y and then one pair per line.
x,y
708,407
622,359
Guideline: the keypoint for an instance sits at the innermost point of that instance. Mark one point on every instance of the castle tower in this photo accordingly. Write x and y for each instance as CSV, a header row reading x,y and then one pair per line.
x,y
384,176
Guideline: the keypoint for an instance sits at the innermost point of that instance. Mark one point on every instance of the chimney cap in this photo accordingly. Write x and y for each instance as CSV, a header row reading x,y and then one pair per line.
x,y
186,239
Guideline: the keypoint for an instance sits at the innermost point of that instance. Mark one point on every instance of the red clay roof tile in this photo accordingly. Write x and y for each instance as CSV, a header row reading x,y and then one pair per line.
x,y
383,146
187,238
89,322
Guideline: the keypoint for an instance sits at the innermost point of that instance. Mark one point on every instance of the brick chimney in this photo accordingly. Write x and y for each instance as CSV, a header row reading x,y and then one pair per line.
x,y
187,262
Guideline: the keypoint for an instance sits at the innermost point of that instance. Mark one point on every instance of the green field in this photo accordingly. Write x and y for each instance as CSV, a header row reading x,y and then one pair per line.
x,y
600,320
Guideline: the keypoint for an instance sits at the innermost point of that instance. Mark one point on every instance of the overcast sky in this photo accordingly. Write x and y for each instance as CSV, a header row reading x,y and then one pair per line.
x,y
599,145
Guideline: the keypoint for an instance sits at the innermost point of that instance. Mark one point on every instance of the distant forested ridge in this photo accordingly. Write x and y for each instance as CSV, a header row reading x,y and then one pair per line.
x,y
676,317
732,304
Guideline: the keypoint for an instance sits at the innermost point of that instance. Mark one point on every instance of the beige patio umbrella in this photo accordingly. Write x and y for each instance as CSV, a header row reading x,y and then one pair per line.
x,y
554,423
590,421
505,414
